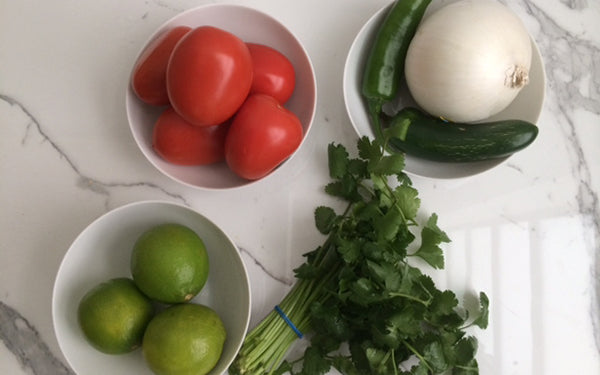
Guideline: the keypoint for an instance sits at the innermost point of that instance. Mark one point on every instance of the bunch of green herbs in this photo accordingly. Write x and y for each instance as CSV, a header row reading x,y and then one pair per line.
x,y
365,308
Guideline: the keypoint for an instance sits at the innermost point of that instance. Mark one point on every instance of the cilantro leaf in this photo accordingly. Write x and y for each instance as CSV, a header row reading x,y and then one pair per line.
x,y
359,356
471,368
366,211
387,226
306,271
399,325
484,303
325,219
338,160
432,224
345,188
381,187
465,350
324,342
434,355
345,366
410,277
379,361
369,151
403,239
358,168
431,237
407,200
388,165
420,369
403,179
364,292
374,251
327,320
386,273
443,303
314,362
348,249
442,310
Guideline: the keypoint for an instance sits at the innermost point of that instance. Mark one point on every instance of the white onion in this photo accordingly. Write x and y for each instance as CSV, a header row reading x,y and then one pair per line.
x,y
468,60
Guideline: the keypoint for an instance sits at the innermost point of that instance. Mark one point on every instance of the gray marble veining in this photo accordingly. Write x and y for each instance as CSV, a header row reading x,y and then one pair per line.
x,y
84,181
23,340
572,64
568,35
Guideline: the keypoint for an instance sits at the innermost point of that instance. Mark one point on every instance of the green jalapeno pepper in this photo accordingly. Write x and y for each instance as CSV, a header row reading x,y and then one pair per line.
x,y
385,62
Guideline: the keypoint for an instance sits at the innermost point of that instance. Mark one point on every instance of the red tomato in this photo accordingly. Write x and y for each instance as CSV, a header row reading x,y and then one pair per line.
x,y
209,75
149,78
179,142
262,135
274,74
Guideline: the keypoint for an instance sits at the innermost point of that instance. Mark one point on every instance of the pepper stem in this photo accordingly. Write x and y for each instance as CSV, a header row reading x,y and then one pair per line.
x,y
375,107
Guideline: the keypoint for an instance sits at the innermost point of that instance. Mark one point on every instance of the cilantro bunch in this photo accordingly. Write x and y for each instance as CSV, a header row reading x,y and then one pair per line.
x,y
367,309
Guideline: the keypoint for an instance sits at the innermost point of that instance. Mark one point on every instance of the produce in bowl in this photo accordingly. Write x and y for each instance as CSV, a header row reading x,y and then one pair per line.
x,y
377,94
179,142
455,72
208,62
468,60
262,135
149,77
209,75
108,287
169,266
273,73
113,316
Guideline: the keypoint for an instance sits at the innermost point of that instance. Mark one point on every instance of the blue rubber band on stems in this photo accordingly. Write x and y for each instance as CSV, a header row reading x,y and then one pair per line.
x,y
288,321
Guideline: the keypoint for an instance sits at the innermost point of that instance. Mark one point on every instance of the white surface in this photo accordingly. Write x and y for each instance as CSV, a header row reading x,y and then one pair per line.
x,y
251,26
526,106
527,232
102,252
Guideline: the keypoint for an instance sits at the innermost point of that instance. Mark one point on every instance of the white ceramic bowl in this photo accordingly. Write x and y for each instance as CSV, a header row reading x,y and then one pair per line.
x,y
102,251
526,106
251,26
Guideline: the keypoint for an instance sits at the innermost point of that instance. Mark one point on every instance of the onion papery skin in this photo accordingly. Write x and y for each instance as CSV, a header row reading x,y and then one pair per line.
x,y
468,60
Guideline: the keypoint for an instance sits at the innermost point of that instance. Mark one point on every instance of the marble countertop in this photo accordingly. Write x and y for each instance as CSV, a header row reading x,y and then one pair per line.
x,y
527,233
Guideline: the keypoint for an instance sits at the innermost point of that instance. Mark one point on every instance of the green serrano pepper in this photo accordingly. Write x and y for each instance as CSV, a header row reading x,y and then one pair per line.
x,y
385,63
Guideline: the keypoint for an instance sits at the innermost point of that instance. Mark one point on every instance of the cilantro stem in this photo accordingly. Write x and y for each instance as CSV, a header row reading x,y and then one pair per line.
x,y
408,296
417,354
266,344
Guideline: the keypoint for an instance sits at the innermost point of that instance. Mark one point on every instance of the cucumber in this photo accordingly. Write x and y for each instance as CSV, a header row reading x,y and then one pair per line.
x,y
418,134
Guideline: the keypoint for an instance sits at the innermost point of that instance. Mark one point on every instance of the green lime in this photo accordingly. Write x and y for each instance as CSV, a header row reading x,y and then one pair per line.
x,y
169,263
113,316
184,339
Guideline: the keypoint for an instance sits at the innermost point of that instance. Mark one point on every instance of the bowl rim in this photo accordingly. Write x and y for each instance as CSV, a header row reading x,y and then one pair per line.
x,y
130,95
244,277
